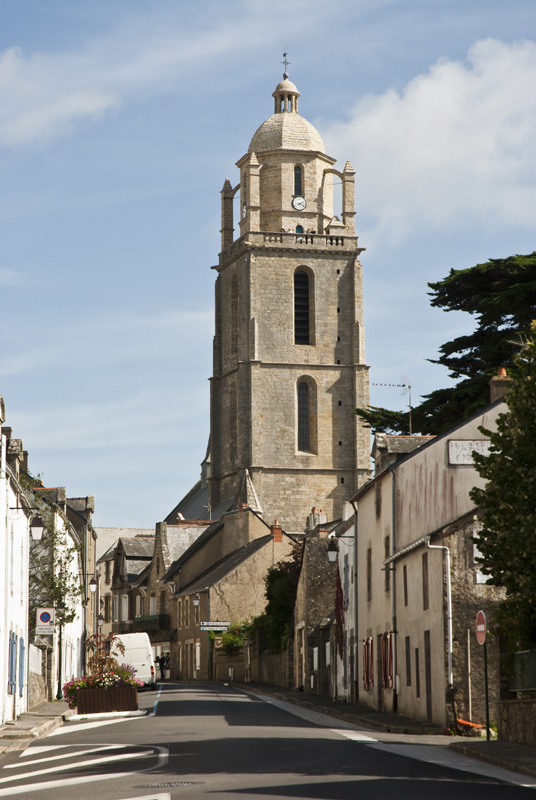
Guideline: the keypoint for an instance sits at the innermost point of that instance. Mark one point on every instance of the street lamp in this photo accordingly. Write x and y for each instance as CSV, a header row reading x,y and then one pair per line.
x,y
195,600
333,550
100,621
93,586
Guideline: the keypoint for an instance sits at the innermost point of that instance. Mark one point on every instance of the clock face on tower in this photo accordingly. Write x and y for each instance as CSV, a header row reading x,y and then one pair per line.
x,y
299,203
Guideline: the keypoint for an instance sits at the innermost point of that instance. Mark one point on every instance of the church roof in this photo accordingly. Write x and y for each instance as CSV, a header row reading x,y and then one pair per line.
x,y
286,132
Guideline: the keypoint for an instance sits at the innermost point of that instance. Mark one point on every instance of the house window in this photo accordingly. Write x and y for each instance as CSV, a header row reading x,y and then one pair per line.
x,y
162,602
408,661
115,608
107,608
179,614
425,595
301,307
107,572
346,582
138,605
368,663
124,607
405,576
186,612
386,644
387,567
152,604
303,417
417,674
298,173
369,574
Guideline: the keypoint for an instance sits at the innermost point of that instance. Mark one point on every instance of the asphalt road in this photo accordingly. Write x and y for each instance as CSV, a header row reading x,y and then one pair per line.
x,y
212,741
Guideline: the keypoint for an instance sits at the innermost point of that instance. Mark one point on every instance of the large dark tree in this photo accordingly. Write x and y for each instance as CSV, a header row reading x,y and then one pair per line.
x,y
508,500
501,296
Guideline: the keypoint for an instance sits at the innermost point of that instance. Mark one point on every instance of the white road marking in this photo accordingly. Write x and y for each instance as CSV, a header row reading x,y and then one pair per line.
x,y
99,749
162,760
356,736
34,750
74,765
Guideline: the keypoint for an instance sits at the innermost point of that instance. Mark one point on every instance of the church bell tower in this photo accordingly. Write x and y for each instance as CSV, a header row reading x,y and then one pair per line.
x,y
289,355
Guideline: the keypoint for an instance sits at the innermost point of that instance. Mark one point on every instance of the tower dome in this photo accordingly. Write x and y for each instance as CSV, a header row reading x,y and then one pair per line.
x,y
286,129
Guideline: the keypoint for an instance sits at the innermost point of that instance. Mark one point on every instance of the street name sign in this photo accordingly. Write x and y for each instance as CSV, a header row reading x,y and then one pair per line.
x,y
215,626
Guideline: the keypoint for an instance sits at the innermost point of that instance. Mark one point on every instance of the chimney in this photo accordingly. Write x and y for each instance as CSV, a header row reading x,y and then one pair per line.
x,y
499,385
277,531
243,506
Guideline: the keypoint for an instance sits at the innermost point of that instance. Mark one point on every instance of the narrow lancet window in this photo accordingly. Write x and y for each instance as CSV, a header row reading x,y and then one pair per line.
x,y
303,416
301,307
298,189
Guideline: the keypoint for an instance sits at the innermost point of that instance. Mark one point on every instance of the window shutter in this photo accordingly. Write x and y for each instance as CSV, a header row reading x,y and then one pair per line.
x,y
22,651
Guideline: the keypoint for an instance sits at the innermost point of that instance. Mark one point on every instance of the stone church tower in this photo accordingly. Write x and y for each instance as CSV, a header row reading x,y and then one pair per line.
x,y
289,356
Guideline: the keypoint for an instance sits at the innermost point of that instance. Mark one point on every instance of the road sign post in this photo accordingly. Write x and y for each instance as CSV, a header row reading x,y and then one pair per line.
x,y
481,632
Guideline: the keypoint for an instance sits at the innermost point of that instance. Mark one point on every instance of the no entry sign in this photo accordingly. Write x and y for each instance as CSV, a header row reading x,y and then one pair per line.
x,y
481,627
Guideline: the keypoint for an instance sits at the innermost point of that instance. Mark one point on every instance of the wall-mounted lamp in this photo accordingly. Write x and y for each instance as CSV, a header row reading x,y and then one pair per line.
x,y
93,586
37,526
195,600
333,550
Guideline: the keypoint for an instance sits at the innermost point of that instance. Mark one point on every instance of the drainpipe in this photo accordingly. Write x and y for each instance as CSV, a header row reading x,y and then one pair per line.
x,y
356,637
393,592
449,606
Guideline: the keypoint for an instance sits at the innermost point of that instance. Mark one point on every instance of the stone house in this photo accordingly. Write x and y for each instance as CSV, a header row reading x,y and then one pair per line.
x,y
152,598
220,578
131,555
107,541
314,614
419,586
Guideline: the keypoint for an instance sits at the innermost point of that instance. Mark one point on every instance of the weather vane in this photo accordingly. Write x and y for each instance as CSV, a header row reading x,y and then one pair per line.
x,y
285,62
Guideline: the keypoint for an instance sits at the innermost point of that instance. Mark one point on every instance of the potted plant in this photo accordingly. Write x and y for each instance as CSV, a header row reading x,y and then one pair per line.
x,y
107,685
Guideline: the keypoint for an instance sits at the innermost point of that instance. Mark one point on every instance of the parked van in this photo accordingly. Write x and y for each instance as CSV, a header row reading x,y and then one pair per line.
x,y
138,654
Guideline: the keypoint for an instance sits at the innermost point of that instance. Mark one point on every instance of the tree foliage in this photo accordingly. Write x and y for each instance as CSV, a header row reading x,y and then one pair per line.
x,y
281,586
52,580
501,296
507,541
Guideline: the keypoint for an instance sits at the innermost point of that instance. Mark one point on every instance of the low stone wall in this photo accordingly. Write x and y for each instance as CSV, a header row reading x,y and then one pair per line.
x,y
37,690
273,668
518,721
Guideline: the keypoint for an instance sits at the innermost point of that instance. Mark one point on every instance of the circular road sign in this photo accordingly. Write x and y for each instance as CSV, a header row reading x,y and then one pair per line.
x,y
481,627
44,617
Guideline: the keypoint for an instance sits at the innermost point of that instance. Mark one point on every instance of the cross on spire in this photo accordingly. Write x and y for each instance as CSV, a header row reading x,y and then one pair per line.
x,y
285,62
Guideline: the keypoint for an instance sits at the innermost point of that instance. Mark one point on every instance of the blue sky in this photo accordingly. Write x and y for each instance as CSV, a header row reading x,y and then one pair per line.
x,y
119,123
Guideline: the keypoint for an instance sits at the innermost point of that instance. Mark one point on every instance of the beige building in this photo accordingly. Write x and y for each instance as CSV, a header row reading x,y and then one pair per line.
x,y
419,586
289,356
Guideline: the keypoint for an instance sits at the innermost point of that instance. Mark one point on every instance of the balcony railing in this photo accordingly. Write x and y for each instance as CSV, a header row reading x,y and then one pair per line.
x,y
151,623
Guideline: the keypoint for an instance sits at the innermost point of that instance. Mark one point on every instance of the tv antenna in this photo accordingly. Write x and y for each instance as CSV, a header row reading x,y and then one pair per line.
x,y
406,386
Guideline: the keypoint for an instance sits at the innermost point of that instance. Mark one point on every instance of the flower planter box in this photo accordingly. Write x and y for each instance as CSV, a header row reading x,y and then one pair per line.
x,y
116,698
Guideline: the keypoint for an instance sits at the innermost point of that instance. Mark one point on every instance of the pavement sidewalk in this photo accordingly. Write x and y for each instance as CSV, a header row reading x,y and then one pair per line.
x,y
33,724
509,755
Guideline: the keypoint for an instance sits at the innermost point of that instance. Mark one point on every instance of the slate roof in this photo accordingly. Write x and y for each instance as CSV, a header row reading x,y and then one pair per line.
x,y
199,542
194,506
108,537
225,565
142,546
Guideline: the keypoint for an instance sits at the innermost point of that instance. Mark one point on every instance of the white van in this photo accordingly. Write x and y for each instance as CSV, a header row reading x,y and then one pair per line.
x,y
138,654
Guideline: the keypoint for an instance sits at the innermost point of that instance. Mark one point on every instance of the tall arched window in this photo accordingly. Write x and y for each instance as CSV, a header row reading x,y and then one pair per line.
x,y
303,417
233,428
298,187
301,307
234,316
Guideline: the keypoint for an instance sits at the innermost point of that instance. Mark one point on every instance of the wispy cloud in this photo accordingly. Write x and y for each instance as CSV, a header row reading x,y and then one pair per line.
x,y
43,96
458,145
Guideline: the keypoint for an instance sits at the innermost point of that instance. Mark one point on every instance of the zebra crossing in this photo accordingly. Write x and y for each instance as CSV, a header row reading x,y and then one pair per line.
x,y
46,767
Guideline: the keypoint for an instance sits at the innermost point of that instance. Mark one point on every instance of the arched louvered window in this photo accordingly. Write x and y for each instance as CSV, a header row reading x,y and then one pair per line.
x,y
298,188
303,417
301,307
